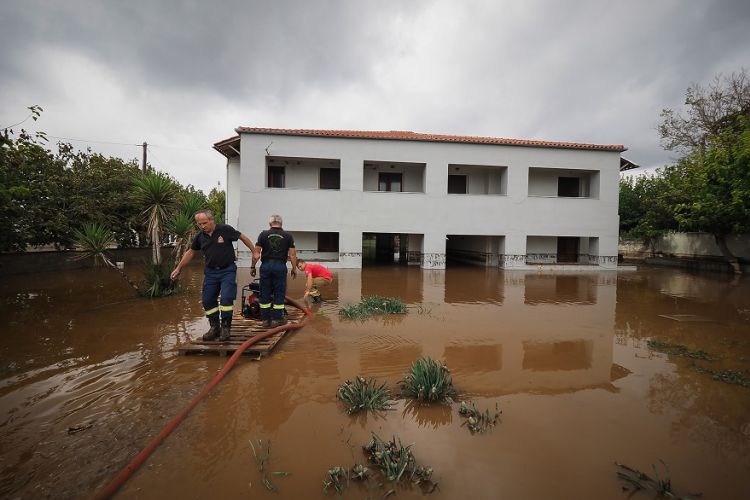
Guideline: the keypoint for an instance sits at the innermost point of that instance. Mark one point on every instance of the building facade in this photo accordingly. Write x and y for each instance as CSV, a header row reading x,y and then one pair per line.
x,y
354,197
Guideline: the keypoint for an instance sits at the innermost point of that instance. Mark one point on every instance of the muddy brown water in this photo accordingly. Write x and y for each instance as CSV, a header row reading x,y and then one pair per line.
x,y
564,356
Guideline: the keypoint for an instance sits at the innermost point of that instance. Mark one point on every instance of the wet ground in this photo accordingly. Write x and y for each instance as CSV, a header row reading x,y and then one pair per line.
x,y
565,357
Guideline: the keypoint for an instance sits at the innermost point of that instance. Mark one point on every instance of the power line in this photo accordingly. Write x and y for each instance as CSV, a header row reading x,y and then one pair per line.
x,y
91,140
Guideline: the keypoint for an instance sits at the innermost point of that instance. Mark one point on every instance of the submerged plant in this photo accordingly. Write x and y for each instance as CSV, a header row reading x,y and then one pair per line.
x,y
478,421
261,460
364,394
428,381
641,481
727,376
372,305
678,350
396,461
336,478
157,281
93,240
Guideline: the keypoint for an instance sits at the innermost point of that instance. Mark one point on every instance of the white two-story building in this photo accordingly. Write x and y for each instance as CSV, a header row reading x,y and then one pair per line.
x,y
355,197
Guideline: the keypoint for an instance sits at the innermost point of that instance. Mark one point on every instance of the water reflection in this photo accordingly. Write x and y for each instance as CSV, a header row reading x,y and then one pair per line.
x,y
78,348
559,289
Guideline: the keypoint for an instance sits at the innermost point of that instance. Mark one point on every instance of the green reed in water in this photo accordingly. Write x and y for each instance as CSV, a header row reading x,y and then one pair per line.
x,y
476,420
428,381
372,305
641,481
396,461
364,394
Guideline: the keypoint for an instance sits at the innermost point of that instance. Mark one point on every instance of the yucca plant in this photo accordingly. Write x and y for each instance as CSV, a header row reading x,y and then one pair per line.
x,y
157,280
428,381
183,228
93,240
364,394
372,305
157,193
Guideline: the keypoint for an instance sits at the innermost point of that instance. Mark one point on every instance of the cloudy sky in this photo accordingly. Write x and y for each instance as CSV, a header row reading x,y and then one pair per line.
x,y
182,75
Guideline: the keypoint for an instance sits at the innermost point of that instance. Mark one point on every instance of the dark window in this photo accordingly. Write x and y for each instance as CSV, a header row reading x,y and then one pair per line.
x,y
456,184
389,181
328,242
276,177
330,178
568,186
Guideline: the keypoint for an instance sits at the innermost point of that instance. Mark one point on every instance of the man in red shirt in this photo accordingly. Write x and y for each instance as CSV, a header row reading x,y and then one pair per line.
x,y
317,275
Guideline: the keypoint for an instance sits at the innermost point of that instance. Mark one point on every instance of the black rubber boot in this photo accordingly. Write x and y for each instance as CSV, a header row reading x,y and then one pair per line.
x,y
214,329
266,324
226,325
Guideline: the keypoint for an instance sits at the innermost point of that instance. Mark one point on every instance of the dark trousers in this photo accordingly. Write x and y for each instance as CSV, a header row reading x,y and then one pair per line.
x,y
220,282
272,289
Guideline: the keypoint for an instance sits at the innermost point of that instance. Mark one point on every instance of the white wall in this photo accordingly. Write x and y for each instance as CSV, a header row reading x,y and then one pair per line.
x,y
432,213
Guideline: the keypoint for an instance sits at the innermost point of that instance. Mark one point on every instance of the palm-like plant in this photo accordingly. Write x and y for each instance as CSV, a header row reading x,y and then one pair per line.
x,y
157,193
94,240
183,229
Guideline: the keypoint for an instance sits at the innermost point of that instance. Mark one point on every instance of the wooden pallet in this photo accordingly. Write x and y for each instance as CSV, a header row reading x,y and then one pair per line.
x,y
242,329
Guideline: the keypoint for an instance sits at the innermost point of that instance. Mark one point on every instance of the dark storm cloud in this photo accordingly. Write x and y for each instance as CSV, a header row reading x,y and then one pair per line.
x,y
189,72
239,48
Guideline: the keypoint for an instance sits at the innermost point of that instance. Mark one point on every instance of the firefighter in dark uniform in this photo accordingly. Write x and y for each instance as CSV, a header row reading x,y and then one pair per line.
x,y
220,272
276,246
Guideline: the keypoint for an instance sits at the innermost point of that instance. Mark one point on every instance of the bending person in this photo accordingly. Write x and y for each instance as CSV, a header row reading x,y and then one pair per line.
x,y
318,275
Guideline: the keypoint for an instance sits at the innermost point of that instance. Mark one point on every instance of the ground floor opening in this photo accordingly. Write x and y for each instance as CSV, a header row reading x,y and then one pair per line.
x,y
391,248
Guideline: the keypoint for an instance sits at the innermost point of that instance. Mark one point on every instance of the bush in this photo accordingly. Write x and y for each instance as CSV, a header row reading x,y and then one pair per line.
x,y
375,304
364,395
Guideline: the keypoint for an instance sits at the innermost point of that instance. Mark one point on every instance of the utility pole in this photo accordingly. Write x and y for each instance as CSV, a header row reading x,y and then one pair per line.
x,y
143,165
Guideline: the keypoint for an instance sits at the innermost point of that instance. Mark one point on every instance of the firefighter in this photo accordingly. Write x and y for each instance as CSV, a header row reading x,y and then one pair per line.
x,y
220,272
276,246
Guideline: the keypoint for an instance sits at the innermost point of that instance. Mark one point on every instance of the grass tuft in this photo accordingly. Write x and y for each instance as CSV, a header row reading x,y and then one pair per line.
x,y
372,305
428,381
478,421
364,394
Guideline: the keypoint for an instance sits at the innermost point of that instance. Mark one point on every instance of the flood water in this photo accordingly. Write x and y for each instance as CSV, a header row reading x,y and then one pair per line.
x,y
564,356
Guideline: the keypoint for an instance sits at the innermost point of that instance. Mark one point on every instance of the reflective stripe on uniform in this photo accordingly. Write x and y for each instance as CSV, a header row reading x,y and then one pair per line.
x,y
209,312
265,306
226,308
278,306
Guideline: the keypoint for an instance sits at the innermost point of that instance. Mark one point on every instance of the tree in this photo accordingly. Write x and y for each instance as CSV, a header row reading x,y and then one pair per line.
x,y
217,201
723,106
716,182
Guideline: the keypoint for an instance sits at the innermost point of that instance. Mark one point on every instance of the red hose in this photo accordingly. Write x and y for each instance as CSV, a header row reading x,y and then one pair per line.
x,y
117,482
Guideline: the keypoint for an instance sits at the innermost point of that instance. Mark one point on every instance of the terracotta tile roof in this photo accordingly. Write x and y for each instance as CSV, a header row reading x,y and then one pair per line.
x,y
403,135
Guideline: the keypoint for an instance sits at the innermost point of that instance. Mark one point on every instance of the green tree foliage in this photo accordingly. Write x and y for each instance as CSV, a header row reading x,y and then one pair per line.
x,y
708,188
217,200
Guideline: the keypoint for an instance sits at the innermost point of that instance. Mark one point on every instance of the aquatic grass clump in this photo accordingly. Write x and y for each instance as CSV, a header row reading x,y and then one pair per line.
x,y
678,350
364,394
641,481
428,381
338,477
372,305
726,376
157,281
476,420
396,461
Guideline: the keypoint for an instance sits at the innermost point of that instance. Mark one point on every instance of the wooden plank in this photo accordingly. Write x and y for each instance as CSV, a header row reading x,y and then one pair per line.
x,y
242,330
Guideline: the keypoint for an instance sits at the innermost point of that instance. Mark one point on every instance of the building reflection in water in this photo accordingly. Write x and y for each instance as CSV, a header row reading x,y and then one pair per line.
x,y
500,332
559,289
